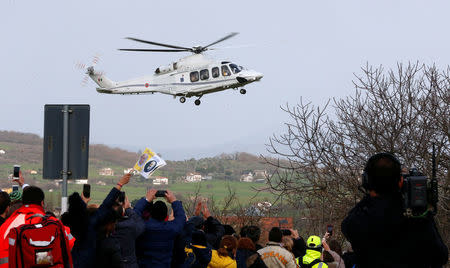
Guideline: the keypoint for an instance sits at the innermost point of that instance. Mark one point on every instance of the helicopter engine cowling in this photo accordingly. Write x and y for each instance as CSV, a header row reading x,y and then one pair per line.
x,y
164,69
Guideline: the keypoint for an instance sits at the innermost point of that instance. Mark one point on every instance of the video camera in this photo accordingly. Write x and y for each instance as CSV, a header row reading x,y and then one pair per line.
x,y
420,194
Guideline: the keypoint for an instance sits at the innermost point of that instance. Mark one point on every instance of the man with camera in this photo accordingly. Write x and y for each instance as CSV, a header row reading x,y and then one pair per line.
x,y
381,233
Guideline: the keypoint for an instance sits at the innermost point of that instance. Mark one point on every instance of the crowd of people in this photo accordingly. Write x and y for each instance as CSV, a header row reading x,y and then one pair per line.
x,y
151,234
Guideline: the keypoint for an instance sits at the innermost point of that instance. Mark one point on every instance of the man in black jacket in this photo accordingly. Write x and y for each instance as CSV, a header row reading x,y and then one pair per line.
x,y
380,234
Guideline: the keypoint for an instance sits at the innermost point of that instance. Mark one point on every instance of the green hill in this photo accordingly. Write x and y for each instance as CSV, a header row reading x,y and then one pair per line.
x,y
223,170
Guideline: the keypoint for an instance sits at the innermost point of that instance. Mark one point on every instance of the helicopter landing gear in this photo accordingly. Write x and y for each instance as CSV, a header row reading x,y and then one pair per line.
x,y
197,102
243,91
182,99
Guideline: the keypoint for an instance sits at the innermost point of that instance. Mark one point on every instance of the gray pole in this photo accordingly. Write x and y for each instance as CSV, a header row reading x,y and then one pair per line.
x,y
65,158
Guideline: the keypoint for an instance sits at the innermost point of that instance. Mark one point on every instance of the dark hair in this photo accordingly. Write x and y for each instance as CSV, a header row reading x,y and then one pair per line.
x,y
227,246
327,257
335,246
199,238
299,248
32,195
246,243
383,171
109,216
275,235
77,217
243,232
229,230
253,232
159,211
5,201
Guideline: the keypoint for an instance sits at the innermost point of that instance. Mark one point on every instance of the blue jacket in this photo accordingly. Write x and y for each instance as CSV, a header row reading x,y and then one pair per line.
x,y
154,247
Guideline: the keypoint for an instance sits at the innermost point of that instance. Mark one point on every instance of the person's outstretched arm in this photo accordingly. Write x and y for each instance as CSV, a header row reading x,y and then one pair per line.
x,y
178,211
144,202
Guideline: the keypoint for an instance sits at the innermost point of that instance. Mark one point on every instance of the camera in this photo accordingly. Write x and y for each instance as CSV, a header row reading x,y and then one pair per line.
x,y
419,194
161,193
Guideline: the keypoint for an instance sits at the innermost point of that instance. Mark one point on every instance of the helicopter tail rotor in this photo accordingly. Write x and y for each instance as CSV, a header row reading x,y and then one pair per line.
x,y
88,68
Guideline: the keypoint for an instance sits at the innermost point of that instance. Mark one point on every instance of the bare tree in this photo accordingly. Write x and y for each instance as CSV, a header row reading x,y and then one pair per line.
x,y
402,110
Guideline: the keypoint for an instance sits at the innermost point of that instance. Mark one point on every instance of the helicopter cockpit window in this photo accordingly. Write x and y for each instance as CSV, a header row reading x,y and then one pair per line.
x,y
215,72
225,70
194,76
236,69
204,74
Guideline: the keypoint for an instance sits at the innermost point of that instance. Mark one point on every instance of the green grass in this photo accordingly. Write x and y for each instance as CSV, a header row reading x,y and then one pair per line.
x,y
215,188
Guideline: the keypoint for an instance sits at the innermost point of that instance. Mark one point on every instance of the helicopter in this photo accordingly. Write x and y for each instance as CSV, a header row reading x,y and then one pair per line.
x,y
192,76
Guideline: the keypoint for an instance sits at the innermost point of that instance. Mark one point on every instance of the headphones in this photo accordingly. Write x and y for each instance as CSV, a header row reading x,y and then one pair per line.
x,y
366,180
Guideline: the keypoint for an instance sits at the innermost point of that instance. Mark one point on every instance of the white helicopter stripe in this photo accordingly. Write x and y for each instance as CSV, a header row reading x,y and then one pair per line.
x,y
173,84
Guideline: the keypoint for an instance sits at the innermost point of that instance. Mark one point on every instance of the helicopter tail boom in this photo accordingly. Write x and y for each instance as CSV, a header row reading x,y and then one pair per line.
x,y
100,79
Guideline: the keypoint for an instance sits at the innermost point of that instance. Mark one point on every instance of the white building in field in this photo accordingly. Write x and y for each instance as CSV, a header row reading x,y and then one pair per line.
x,y
83,181
247,177
193,177
106,172
160,181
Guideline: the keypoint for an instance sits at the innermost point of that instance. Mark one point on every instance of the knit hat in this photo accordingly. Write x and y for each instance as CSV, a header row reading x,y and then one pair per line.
x,y
15,196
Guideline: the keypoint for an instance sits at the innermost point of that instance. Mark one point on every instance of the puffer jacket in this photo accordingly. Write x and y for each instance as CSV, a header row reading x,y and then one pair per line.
x,y
218,261
155,246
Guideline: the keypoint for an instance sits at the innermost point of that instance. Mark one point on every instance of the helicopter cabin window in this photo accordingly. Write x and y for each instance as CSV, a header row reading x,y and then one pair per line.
x,y
215,72
204,74
225,71
194,76
236,69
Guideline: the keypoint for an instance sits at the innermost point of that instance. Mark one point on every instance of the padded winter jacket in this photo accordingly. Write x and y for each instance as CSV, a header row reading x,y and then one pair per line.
x,y
154,247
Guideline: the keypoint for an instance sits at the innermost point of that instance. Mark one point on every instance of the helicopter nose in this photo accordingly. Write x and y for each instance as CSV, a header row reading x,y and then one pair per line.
x,y
249,76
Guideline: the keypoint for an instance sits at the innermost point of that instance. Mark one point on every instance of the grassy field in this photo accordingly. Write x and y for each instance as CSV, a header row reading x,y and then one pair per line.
x,y
217,189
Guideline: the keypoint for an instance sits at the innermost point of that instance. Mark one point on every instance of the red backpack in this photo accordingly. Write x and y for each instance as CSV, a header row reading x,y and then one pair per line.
x,y
43,244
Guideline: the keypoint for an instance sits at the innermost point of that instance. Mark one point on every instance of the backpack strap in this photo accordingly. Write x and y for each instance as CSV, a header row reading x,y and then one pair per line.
x,y
311,264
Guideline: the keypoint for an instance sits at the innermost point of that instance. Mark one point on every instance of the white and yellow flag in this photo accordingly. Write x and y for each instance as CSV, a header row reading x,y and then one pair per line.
x,y
148,162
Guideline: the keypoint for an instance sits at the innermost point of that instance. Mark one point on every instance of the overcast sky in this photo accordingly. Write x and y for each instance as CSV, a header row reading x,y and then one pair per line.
x,y
306,49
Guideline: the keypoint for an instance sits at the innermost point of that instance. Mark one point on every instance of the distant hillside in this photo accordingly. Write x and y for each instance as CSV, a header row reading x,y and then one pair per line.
x,y
26,150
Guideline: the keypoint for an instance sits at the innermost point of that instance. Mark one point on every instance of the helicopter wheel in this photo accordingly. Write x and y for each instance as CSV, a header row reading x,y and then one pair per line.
x,y
182,99
197,102
243,91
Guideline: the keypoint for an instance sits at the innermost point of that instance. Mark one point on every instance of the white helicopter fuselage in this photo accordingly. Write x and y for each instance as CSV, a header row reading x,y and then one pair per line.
x,y
194,75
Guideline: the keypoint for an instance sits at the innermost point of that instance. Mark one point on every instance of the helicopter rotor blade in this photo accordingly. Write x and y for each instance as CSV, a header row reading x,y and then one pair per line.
x,y
220,40
155,43
154,50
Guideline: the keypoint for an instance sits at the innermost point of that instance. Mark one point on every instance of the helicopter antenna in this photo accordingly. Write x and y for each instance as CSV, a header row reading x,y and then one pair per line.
x,y
173,48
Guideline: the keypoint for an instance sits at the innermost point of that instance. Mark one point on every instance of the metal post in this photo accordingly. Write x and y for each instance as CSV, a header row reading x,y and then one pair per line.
x,y
65,158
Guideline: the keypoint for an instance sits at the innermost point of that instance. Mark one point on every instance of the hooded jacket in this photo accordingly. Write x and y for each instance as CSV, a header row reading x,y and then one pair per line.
x,y
218,261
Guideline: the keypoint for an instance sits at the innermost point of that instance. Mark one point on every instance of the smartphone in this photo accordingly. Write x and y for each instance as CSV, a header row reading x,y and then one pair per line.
x,y
15,188
161,193
87,190
330,229
16,172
